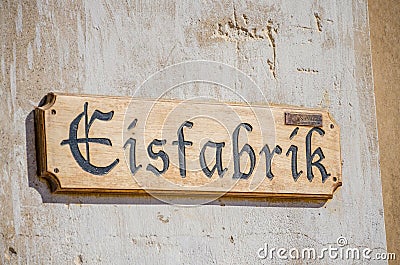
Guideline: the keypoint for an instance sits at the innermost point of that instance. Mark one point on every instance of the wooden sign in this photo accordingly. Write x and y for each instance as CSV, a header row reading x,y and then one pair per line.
x,y
117,144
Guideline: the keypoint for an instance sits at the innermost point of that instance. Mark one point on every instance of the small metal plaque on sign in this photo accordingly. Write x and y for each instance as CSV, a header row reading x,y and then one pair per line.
x,y
303,119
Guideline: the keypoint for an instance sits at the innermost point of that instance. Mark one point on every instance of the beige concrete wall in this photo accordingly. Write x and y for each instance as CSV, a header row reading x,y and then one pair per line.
x,y
305,53
385,40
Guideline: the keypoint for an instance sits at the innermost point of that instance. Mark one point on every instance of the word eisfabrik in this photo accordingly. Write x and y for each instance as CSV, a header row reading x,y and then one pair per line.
x,y
182,144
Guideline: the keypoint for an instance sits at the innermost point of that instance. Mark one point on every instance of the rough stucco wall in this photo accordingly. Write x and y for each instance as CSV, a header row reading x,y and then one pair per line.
x,y
385,32
313,53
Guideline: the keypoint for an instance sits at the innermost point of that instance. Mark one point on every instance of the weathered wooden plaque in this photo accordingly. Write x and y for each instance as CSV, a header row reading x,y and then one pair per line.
x,y
120,144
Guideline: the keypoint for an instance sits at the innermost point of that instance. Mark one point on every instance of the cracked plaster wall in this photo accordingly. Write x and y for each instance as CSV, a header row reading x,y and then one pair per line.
x,y
305,53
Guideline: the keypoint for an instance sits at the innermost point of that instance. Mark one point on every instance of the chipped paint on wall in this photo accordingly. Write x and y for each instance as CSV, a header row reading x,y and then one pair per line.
x,y
110,47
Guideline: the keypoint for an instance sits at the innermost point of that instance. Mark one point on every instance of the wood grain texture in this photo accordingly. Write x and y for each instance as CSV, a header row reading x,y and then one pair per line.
x,y
109,48
211,122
